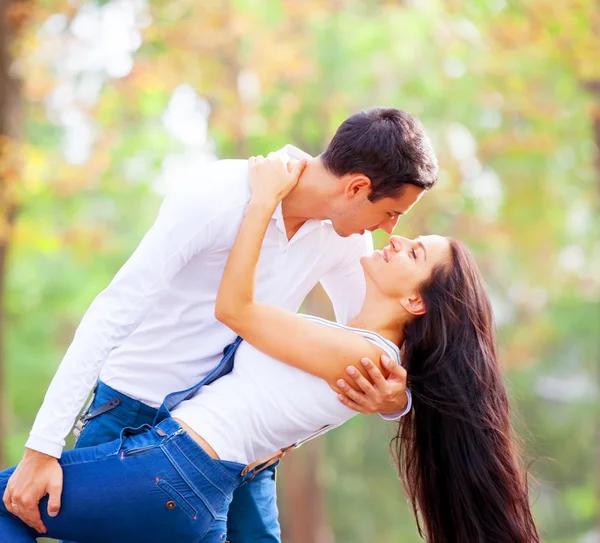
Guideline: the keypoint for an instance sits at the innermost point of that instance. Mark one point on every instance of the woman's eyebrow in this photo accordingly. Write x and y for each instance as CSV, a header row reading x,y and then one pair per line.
x,y
420,244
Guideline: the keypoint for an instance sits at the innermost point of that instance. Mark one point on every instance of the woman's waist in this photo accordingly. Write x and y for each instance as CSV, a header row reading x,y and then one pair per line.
x,y
198,439
186,454
245,436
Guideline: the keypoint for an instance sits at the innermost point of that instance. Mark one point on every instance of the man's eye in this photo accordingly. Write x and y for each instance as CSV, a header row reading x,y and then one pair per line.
x,y
392,215
414,253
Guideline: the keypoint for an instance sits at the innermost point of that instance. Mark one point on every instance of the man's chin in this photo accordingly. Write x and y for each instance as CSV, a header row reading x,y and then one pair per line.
x,y
342,233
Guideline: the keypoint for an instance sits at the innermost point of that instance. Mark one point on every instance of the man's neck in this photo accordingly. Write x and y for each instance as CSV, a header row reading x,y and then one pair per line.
x,y
309,199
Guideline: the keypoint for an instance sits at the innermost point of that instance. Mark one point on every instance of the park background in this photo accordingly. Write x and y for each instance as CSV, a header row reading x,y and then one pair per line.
x,y
104,106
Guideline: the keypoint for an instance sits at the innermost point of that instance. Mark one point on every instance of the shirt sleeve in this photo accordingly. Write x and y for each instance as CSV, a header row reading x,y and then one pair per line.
x,y
400,414
345,282
186,225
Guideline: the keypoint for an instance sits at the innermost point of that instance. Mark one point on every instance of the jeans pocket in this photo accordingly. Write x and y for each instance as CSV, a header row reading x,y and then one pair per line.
x,y
177,499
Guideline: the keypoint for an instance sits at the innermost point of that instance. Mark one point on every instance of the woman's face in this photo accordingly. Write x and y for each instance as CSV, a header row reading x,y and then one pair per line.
x,y
399,269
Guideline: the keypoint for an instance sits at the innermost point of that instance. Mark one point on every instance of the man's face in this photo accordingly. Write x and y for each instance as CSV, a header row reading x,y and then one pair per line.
x,y
355,213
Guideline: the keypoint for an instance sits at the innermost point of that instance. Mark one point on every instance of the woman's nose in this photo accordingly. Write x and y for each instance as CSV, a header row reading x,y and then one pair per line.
x,y
397,242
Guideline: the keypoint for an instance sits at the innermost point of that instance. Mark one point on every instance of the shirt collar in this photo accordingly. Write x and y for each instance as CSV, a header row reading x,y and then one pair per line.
x,y
277,216
298,154
294,152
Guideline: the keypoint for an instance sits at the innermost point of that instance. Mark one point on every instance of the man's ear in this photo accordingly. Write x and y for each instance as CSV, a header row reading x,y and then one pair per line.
x,y
413,305
357,183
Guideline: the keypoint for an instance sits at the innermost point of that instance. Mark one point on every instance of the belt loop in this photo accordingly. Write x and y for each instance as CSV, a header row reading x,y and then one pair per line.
x,y
264,463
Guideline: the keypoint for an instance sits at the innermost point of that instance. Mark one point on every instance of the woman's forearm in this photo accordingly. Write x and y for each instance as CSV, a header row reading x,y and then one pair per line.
x,y
236,292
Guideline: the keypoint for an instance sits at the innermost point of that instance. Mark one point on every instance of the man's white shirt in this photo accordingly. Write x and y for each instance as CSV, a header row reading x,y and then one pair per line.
x,y
152,331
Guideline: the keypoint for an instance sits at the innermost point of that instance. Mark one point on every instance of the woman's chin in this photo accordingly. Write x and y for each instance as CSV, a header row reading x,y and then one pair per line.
x,y
369,265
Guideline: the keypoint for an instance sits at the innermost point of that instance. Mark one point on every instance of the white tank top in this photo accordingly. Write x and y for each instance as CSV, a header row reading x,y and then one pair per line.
x,y
264,405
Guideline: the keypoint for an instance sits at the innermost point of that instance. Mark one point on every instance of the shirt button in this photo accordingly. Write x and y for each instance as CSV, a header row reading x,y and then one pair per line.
x,y
170,504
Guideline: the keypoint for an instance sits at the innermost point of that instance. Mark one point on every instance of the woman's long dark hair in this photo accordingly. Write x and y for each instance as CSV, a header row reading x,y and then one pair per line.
x,y
456,450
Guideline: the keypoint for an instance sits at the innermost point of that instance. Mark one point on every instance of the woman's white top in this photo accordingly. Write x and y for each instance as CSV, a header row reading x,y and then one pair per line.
x,y
264,405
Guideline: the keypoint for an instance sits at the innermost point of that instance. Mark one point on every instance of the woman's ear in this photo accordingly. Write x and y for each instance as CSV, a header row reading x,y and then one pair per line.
x,y
413,305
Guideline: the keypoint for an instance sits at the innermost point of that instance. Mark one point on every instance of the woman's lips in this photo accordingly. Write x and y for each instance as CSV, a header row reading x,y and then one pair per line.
x,y
382,254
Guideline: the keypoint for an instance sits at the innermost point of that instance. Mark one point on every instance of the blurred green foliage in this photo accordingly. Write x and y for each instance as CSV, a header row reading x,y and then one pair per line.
x,y
502,88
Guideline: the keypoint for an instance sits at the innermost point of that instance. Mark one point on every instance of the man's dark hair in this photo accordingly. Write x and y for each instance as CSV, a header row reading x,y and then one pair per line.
x,y
387,145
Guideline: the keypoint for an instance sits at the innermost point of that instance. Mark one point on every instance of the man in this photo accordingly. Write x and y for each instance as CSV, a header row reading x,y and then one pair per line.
x,y
153,331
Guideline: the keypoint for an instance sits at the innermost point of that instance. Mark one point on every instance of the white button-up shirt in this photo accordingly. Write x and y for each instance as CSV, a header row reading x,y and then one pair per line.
x,y
152,331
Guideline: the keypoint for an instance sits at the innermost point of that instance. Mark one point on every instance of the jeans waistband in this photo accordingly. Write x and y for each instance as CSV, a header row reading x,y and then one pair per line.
x,y
104,393
184,450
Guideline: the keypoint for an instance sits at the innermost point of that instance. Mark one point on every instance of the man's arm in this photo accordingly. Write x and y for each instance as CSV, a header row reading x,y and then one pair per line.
x,y
345,286
187,224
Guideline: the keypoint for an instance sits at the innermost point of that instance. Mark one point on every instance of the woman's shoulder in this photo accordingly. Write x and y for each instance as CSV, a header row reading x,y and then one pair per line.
x,y
390,348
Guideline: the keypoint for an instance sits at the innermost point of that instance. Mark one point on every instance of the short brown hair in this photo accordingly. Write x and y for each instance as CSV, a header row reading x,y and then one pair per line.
x,y
387,145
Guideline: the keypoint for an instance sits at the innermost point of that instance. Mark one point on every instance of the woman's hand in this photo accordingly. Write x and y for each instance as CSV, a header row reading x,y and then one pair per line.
x,y
271,179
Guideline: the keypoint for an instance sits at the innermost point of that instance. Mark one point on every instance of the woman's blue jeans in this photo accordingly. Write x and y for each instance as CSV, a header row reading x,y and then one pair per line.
x,y
157,485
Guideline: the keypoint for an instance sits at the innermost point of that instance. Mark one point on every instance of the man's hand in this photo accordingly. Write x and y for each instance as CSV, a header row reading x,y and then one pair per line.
x,y
36,475
384,396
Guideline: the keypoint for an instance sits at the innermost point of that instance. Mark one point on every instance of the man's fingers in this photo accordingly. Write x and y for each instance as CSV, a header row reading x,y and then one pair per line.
x,y
362,382
395,369
352,405
354,395
29,513
374,373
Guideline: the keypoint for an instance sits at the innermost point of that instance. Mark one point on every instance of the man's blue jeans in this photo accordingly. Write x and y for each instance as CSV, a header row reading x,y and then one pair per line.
x,y
152,485
253,514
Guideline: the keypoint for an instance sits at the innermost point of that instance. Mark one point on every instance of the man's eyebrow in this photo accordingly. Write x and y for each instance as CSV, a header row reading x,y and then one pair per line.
x,y
420,244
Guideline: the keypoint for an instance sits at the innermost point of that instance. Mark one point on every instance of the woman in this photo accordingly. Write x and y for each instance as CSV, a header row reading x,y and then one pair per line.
x,y
455,451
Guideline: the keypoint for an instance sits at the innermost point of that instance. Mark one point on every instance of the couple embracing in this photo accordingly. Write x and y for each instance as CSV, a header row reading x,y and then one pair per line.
x,y
180,444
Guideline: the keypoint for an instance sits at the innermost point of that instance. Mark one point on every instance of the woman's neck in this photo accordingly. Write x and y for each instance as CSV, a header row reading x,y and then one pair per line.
x,y
377,318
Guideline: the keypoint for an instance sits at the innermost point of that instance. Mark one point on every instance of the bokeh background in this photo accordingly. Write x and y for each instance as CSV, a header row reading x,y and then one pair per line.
x,y
104,106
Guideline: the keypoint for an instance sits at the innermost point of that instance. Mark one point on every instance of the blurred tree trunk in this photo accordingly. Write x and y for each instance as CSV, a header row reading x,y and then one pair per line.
x,y
594,88
13,14
597,139
304,517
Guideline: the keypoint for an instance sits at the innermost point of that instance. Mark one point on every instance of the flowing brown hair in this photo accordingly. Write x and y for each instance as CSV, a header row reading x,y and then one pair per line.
x,y
456,450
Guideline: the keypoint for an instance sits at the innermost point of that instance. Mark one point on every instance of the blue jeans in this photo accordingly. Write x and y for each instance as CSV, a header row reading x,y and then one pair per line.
x,y
152,485
253,513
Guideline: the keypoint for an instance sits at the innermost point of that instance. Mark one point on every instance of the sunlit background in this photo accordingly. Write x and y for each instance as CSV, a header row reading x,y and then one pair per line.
x,y
105,106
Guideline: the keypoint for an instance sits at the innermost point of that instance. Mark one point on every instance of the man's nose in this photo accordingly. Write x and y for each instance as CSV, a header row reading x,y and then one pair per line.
x,y
388,225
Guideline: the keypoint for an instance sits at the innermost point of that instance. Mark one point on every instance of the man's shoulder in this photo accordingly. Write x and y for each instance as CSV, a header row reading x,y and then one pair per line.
x,y
228,175
220,185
